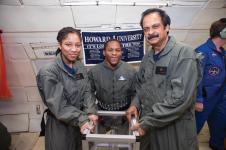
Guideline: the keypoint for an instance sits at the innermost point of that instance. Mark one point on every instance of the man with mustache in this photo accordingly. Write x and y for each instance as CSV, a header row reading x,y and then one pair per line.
x,y
166,86
112,86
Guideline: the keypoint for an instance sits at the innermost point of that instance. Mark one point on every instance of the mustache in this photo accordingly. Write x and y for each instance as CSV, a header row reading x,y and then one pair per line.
x,y
151,36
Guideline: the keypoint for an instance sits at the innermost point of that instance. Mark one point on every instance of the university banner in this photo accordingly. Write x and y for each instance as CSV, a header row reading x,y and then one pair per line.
x,y
5,93
132,42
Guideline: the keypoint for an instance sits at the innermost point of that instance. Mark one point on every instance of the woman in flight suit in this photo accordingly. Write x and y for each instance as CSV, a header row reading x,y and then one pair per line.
x,y
65,90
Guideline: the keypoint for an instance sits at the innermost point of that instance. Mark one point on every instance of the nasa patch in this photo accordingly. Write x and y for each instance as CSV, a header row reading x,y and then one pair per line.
x,y
213,71
214,54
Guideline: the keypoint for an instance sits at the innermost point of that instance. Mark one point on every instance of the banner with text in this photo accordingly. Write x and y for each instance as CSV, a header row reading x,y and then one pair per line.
x,y
132,42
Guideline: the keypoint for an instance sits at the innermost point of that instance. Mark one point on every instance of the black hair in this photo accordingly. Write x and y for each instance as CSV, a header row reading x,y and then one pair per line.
x,y
164,16
217,27
111,40
62,34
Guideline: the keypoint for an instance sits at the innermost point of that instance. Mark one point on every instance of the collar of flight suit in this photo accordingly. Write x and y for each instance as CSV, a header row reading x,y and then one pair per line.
x,y
116,67
169,46
59,62
212,46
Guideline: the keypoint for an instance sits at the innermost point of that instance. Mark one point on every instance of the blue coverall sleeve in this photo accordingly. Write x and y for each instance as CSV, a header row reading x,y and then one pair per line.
x,y
199,97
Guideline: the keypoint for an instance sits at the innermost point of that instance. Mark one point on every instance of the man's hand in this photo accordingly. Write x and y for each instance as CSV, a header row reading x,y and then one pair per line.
x,y
131,111
136,127
199,107
93,118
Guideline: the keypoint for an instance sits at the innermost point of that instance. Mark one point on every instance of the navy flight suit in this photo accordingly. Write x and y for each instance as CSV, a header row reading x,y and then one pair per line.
x,y
210,91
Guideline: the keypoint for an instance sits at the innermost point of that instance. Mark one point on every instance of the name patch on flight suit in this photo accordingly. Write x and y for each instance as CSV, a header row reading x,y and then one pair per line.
x,y
79,76
161,70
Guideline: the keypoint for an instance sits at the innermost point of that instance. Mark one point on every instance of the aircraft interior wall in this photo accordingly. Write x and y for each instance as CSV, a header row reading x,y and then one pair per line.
x,y
31,27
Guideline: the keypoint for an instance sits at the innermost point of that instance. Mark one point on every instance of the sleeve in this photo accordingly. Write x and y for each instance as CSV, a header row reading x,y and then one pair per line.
x,y
53,93
179,96
89,99
92,84
199,97
132,90
91,80
137,82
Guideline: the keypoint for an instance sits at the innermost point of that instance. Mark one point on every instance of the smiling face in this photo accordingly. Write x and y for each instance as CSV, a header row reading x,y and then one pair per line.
x,y
70,48
154,30
112,53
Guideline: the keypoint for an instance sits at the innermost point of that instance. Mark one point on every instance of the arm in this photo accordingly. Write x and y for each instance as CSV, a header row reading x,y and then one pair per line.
x,y
135,106
92,84
89,104
199,99
200,93
89,97
91,100
138,81
53,94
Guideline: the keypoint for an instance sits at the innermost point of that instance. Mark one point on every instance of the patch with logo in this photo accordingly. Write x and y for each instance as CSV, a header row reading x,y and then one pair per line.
x,y
214,54
79,76
121,78
161,70
213,71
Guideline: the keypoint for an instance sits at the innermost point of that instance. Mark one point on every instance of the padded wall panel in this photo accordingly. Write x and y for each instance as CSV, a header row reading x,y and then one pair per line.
x,y
33,18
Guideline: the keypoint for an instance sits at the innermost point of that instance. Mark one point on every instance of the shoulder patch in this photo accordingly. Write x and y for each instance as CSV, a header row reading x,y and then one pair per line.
x,y
214,54
213,71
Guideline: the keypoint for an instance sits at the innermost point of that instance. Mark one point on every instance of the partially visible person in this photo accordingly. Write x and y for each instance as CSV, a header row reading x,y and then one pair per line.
x,y
5,138
112,85
209,106
225,142
65,90
166,88
217,124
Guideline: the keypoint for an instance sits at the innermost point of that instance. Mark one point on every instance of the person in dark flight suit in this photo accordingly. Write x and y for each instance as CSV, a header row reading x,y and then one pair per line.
x,y
112,85
65,90
166,86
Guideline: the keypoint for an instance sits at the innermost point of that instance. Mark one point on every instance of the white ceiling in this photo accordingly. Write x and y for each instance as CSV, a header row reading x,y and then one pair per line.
x,y
173,3
60,2
51,15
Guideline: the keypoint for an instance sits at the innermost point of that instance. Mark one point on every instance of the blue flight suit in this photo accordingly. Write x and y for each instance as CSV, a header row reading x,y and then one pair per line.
x,y
209,90
217,123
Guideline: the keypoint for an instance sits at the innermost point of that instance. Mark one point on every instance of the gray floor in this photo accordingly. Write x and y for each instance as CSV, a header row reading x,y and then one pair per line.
x,y
32,141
